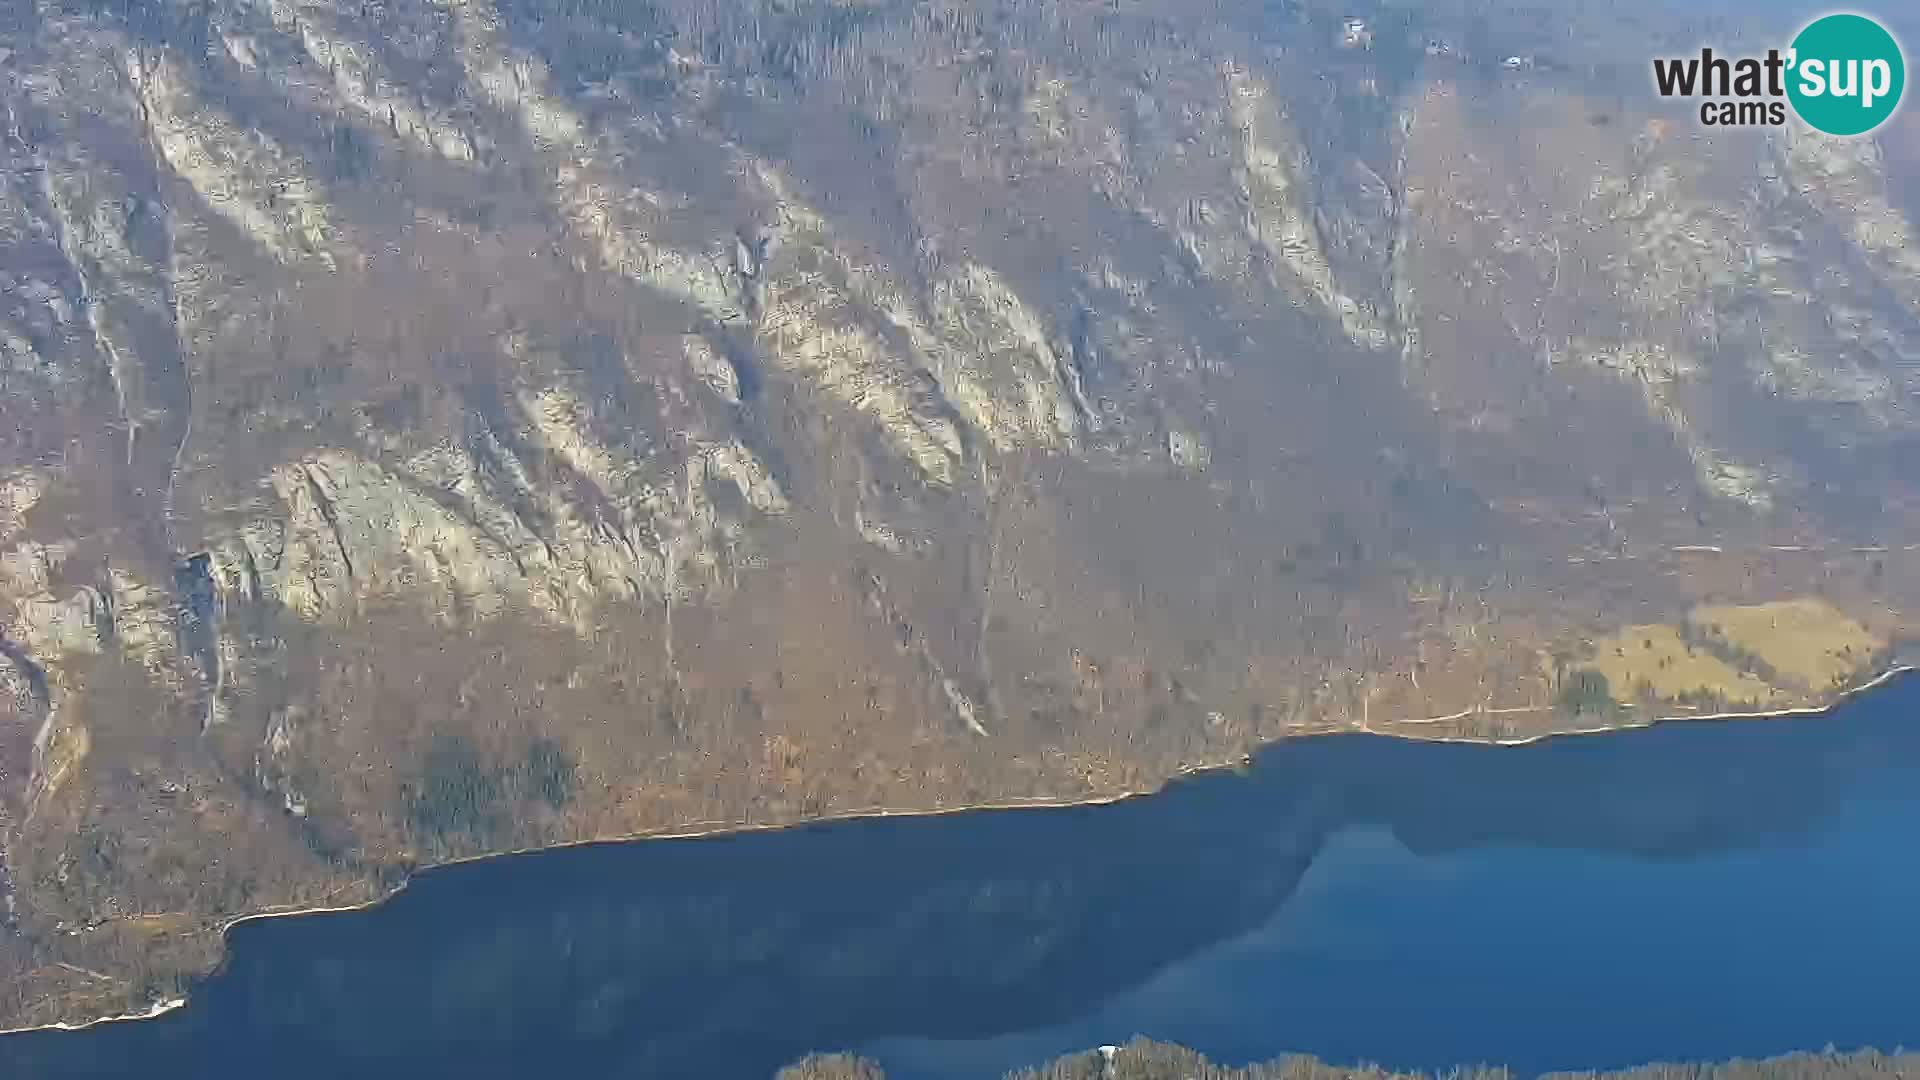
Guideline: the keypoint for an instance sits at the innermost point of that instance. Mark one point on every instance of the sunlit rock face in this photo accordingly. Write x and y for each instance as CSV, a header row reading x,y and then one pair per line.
x,y
1721,277
641,415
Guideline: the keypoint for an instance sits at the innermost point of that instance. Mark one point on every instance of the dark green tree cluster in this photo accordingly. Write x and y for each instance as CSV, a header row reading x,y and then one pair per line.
x,y
458,794
1586,692
461,796
550,773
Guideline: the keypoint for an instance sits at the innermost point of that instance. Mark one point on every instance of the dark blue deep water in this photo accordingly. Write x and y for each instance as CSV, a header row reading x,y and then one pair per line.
x,y
1693,891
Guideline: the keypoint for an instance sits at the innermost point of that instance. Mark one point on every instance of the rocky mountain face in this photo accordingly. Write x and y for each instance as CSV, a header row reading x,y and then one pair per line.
x,y
437,427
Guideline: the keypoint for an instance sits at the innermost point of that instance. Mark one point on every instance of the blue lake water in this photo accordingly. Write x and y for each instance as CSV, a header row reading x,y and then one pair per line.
x,y
1693,891
1539,958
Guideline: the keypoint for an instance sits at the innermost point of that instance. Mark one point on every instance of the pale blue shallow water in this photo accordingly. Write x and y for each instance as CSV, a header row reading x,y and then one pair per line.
x,y
1694,891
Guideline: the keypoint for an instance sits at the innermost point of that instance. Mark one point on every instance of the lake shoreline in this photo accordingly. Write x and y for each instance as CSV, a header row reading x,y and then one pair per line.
x,y
700,830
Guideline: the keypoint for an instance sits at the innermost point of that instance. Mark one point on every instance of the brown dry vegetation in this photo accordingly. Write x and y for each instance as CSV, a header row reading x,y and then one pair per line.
x,y
1807,642
1388,375
1657,662
1144,1059
1775,655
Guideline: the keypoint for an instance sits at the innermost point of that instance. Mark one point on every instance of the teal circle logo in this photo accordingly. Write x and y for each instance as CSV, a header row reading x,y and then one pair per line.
x,y
1846,74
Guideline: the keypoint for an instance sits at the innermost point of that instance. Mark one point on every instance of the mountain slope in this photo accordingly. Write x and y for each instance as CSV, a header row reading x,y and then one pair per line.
x,y
443,427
